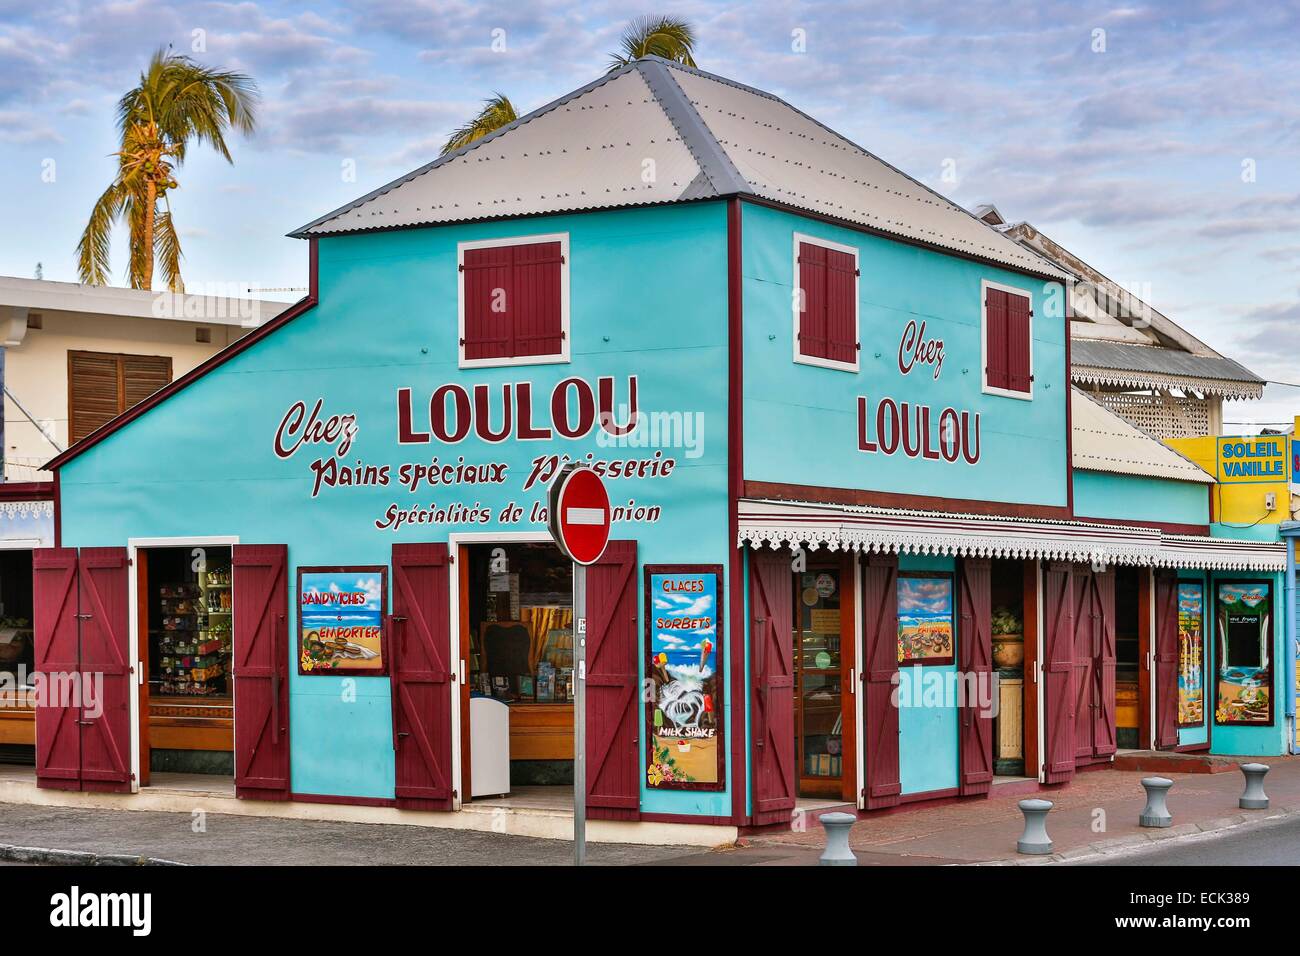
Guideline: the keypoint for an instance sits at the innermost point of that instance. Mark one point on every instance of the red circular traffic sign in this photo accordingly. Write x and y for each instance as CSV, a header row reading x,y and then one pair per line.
x,y
580,514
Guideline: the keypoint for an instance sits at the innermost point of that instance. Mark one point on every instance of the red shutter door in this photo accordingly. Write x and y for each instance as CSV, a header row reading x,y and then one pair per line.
x,y
812,320
105,650
975,656
841,307
1019,373
1104,733
1166,683
260,671
536,309
488,303
995,339
879,667
1058,667
420,648
1082,685
771,586
57,656
613,755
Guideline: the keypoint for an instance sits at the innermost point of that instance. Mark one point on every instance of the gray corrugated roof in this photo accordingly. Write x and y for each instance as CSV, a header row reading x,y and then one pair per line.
x,y
707,137
1148,358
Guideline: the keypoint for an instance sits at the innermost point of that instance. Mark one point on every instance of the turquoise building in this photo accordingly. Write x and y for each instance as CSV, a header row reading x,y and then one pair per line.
x,y
860,555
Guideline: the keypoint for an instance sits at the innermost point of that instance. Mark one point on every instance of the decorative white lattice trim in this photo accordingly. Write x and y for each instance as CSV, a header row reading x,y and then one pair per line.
x,y
779,525
1124,378
27,509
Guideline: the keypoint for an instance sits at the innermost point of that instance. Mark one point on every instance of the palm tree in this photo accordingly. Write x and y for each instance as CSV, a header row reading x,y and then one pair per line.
x,y
177,101
669,37
497,111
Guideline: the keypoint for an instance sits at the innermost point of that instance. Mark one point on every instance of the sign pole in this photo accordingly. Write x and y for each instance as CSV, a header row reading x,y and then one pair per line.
x,y
579,714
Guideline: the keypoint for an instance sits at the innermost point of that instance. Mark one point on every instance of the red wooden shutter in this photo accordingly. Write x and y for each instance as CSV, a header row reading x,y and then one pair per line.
x,y
488,302
1058,667
420,648
1083,685
1104,733
1019,373
813,340
879,670
57,654
975,657
260,671
841,307
996,334
105,655
536,307
613,728
1166,682
771,626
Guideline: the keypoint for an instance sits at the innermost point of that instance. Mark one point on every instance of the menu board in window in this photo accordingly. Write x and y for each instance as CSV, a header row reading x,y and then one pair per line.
x,y
1244,676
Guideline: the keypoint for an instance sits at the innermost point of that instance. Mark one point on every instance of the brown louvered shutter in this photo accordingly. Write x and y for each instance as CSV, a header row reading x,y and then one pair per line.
x,y
142,375
995,339
101,386
812,283
513,301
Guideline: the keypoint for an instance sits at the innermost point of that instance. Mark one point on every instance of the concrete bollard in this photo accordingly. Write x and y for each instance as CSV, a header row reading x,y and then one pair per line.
x,y
837,852
1254,797
1156,812
1035,839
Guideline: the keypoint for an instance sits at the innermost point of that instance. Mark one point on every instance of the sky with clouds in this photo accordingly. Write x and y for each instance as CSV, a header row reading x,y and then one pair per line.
x,y
1157,141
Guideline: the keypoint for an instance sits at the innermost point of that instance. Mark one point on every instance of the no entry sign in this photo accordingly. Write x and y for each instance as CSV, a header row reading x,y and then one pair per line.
x,y
579,514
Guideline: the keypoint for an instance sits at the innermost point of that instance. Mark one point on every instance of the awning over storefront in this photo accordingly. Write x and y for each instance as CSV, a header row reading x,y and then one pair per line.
x,y
778,524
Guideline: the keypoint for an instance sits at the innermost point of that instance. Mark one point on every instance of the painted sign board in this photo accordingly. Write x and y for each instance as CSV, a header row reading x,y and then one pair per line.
x,y
341,620
683,663
1252,460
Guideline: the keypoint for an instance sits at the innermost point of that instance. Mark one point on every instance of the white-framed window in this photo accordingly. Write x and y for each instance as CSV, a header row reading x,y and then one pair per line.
x,y
513,300
825,303
1007,340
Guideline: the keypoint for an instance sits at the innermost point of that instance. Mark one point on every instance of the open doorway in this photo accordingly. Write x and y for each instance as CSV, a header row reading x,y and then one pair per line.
x,y
17,660
185,611
1128,641
516,613
1007,599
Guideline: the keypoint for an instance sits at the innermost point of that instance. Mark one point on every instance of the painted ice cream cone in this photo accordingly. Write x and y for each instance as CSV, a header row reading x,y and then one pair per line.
x,y
705,647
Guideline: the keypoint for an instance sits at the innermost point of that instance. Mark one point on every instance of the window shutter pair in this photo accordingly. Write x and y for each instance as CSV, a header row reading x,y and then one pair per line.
x,y
101,386
1006,341
828,324
512,301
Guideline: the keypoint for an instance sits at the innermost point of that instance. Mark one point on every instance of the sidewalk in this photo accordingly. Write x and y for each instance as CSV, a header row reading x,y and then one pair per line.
x,y
985,831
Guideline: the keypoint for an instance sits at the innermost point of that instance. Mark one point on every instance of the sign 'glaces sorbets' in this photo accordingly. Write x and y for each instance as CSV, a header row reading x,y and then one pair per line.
x,y
684,678
341,620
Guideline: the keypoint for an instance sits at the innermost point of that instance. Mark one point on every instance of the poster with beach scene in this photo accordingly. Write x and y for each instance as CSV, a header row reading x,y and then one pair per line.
x,y
1191,654
341,620
684,677
1245,673
925,621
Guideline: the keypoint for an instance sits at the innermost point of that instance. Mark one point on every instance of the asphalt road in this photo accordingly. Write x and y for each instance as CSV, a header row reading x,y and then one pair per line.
x,y
1267,844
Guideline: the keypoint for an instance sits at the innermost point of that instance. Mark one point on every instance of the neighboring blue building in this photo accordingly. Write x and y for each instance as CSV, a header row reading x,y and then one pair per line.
x,y
834,415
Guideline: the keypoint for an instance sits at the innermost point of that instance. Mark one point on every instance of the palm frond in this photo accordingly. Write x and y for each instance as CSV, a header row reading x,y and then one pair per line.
x,y
167,247
96,240
497,111
672,38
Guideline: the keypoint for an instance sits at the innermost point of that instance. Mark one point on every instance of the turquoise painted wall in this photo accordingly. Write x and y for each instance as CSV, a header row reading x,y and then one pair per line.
x,y
927,733
649,298
801,421
1102,495
1261,741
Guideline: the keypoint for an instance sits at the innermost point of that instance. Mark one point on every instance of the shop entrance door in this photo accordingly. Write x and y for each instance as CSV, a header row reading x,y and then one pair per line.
x,y
1093,671
83,728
